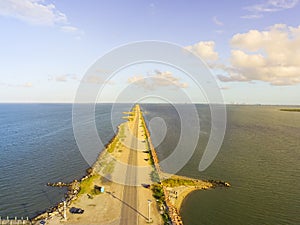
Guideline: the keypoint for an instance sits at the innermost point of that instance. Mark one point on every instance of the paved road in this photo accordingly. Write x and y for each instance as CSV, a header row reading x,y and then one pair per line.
x,y
129,214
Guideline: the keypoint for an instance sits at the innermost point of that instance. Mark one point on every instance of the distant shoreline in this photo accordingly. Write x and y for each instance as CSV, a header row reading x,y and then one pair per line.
x,y
291,110
154,103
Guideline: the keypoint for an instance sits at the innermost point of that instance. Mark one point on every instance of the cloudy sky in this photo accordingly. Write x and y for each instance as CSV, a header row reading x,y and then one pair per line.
x,y
251,47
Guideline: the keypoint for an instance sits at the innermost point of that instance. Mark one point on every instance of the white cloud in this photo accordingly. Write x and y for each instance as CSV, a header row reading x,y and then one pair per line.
x,y
252,16
94,79
232,78
32,11
25,85
28,84
37,12
205,49
64,78
73,30
241,59
69,29
219,31
225,88
257,10
273,6
217,22
158,79
271,55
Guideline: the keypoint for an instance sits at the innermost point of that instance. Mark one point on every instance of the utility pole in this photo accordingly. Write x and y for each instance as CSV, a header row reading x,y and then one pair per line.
x,y
65,210
149,217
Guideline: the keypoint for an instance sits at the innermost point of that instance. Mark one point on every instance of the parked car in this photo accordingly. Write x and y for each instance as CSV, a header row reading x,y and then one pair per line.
x,y
76,210
146,185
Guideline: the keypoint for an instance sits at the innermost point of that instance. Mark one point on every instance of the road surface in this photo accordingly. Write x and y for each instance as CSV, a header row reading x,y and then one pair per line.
x,y
129,213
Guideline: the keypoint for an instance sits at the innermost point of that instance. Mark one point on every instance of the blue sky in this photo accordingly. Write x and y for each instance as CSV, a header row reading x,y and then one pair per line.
x,y
251,47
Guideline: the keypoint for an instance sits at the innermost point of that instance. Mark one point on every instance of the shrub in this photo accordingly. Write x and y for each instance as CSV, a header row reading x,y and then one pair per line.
x,y
158,192
154,176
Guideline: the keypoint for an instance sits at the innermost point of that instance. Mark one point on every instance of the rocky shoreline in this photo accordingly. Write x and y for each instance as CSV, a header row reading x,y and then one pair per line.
x,y
187,185
72,193
73,189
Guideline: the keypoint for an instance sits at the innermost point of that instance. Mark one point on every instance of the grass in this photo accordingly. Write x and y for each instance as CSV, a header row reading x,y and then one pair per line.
x,y
154,176
115,143
151,161
87,185
175,182
111,147
109,167
121,133
158,194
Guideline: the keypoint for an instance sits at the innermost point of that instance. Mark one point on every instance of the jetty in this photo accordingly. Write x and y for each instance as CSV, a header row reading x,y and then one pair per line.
x,y
126,184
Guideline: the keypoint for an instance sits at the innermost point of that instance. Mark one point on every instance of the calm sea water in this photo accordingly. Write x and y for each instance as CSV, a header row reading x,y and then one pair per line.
x,y
259,157
37,146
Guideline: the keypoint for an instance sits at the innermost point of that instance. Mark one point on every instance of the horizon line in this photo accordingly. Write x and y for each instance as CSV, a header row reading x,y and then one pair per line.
x,y
179,103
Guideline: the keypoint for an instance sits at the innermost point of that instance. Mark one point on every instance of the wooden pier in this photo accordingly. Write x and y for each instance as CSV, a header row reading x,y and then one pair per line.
x,y
15,221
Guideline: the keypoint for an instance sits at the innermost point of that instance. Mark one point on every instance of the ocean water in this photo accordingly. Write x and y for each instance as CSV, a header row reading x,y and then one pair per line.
x,y
260,157
37,146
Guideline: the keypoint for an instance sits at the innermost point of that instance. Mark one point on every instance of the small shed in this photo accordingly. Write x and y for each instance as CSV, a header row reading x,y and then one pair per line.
x,y
99,188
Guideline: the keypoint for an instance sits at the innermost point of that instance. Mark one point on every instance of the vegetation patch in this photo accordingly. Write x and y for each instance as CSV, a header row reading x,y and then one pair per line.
x,y
115,143
154,176
111,147
158,194
87,185
109,168
291,110
166,218
175,182
121,133
151,161
105,180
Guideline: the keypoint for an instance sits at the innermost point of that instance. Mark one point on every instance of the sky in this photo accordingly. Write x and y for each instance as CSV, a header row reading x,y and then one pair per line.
x,y
252,48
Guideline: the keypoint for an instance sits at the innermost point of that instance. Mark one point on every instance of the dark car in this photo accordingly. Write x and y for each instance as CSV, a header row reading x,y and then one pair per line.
x,y
76,210
146,185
